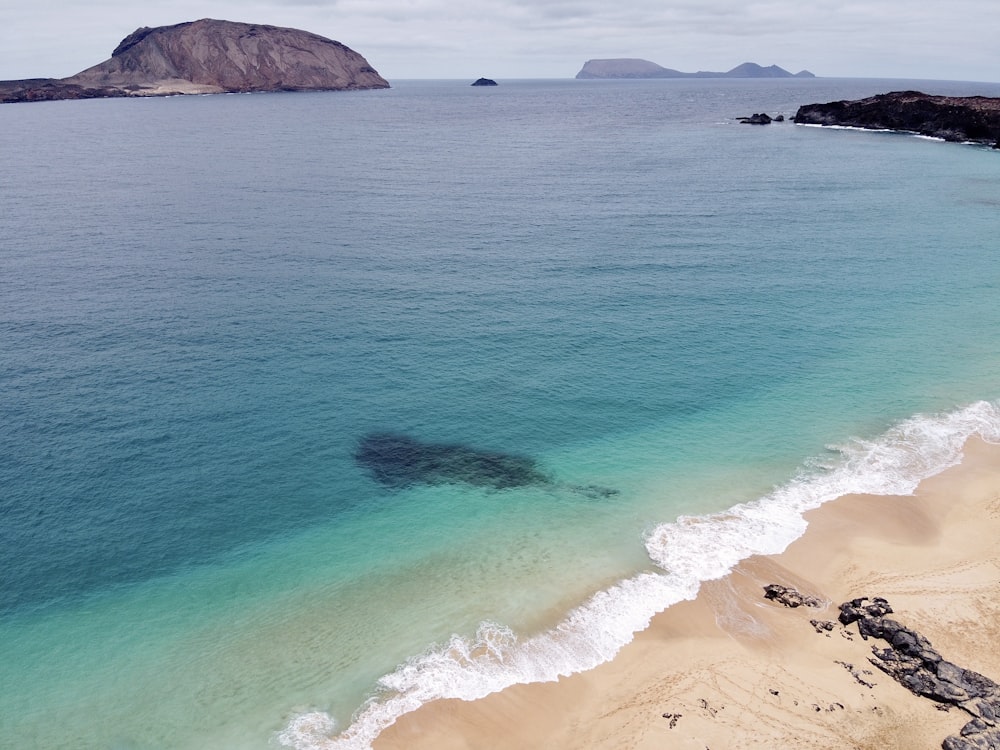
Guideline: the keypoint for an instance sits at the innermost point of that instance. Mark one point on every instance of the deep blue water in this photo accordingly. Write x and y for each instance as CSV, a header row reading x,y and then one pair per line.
x,y
208,302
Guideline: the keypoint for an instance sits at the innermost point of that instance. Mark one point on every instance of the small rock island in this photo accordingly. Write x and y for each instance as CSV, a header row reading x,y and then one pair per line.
x,y
209,57
484,82
760,118
971,119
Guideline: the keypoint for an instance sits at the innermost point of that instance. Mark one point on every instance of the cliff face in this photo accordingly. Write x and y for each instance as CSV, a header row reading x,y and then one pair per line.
x,y
207,57
952,118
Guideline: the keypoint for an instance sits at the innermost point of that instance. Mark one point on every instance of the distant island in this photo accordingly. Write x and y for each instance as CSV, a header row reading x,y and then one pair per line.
x,y
209,57
484,82
636,68
974,119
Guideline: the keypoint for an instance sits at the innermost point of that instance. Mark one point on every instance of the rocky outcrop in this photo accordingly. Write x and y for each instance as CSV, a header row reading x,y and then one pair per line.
x,y
484,82
789,597
973,119
209,57
637,68
758,118
913,662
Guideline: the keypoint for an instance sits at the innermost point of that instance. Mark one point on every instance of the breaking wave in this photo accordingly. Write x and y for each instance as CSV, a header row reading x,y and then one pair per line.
x,y
688,550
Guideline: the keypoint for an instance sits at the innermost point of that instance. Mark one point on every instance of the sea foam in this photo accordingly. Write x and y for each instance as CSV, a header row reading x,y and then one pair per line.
x,y
689,550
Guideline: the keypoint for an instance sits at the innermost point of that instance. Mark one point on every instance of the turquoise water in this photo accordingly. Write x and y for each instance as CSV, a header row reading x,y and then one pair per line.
x,y
209,301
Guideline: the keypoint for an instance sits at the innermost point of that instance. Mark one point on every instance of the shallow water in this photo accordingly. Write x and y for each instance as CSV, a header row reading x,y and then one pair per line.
x,y
210,301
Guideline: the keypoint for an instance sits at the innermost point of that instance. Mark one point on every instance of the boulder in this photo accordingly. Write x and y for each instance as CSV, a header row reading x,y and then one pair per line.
x,y
789,596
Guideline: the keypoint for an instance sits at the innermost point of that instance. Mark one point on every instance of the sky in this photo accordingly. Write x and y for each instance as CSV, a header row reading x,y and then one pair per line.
x,y
512,39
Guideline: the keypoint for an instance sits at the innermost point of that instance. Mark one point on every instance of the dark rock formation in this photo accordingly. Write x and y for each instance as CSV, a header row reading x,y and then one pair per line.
x,y
209,57
953,118
789,596
757,118
400,461
636,68
913,663
50,89
484,82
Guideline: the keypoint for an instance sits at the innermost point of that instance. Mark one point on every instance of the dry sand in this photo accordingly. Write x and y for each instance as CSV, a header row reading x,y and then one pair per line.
x,y
732,670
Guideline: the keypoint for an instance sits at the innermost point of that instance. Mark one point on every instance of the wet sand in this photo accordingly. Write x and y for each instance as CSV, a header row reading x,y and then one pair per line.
x,y
732,670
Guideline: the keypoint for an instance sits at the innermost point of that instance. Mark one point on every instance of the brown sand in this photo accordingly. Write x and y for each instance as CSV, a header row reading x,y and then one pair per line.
x,y
731,670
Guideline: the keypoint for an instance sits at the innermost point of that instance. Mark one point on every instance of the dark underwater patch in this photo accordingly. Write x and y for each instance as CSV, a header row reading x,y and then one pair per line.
x,y
400,461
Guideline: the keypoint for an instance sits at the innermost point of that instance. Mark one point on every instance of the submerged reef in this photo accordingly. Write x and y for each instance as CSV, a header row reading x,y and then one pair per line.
x,y
400,461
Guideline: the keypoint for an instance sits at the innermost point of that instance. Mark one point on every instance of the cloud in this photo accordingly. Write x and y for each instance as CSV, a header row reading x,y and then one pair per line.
x,y
548,38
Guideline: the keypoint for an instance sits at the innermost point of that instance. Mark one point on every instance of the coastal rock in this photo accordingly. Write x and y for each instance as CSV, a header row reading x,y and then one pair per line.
x,y
484,82
822,626
209,57
789,596
629,67
973,119
757,118
913,663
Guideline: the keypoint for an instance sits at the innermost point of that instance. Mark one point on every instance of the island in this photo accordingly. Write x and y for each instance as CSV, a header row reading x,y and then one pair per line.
x,y
636,68
970,119
209,57
484,82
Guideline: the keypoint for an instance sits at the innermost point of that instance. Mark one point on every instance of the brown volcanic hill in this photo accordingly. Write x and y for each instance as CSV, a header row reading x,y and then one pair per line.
x,y
210,57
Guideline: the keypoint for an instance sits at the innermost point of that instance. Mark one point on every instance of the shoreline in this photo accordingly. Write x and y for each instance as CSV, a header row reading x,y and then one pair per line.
x,y
730,669
951,118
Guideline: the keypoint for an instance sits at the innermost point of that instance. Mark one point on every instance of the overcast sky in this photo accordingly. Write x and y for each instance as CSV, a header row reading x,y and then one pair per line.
x,y
957,40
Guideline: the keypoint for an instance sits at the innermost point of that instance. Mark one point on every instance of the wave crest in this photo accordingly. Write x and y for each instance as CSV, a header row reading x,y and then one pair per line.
x,y
689,550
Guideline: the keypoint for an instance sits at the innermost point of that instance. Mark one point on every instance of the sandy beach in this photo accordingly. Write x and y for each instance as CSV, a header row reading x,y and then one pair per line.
x,y
733,670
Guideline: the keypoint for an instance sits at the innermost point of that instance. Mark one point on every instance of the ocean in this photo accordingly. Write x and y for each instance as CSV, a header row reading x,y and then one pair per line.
x,y
315,407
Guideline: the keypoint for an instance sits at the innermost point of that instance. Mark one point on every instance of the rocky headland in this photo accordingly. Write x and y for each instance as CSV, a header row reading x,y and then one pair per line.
x,y
973,119
209,57
636,68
